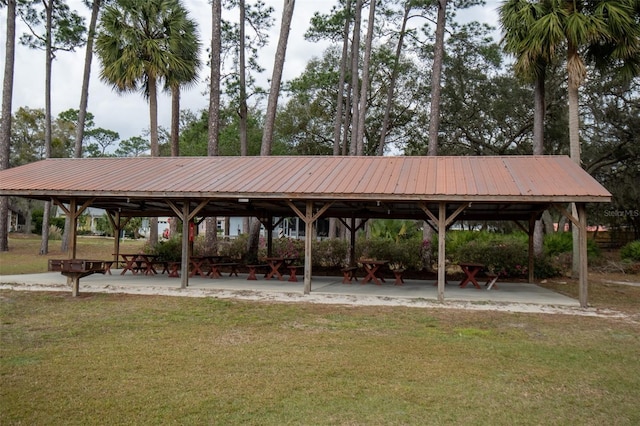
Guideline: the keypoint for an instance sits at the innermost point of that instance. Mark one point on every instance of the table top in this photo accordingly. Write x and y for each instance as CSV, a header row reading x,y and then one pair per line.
x,y
373,261
471,264
280,258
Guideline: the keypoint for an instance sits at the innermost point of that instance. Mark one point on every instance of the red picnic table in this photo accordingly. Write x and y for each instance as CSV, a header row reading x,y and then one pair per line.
x,y
371,267
470,270
278,263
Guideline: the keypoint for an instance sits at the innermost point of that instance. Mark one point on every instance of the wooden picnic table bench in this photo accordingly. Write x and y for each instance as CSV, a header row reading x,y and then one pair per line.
x,y
74,269
254,268
215,269
349,274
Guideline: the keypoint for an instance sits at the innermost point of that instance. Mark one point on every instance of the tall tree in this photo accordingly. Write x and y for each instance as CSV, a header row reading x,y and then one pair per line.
x,y
137,45
186,45
436,73
63,30
394,76
364,88
5,124
355,78
86,76
267,135
516,17
276,78
84,101
605,32
213,125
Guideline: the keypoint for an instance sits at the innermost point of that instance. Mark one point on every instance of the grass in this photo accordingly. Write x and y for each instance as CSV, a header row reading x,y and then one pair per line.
x,y
23,256
123,359
163,360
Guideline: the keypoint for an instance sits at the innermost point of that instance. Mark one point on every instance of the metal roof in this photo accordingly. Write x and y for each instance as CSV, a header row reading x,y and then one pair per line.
x,y
506,186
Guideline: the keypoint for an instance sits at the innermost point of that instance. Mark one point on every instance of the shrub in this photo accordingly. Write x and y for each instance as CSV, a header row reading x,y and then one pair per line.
x,y
562,242
330,253
507,258
235,248
631,251
506,255
55,233
168,250
288,247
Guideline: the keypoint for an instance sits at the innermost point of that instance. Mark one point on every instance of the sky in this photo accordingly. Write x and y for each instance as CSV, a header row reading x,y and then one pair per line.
x,y
129,114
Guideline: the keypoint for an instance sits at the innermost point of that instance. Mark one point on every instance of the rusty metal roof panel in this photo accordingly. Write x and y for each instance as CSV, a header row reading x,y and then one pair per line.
x,y
450,178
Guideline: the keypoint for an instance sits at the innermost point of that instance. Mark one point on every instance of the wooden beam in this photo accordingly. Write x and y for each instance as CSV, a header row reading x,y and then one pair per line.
x,y
184,269
352,228
308,237
309,219
580,223
583,272
442,230
532,227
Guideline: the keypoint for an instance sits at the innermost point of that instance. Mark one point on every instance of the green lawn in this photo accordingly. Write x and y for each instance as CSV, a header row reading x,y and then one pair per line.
x,y
23,257
123,359
118,359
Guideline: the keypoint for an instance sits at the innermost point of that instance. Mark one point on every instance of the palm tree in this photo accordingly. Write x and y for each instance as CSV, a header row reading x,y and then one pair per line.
x,y
605,32
187,46
137,47
516,18
140,44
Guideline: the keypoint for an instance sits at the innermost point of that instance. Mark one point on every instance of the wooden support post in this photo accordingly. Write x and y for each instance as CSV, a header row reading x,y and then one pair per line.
x,y
582,256
184,270
73,212
186,215
269,226
309,219
580,223
308,239
443,223
442,234
531,267
115,219
352,228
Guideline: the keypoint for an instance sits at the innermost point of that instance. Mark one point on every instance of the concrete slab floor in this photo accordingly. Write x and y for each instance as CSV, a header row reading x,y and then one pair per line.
x,y
332,287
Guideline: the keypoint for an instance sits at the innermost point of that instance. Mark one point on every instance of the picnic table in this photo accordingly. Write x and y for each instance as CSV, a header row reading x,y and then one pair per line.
x,y
137,262
197,265
470,271
280,263
371,267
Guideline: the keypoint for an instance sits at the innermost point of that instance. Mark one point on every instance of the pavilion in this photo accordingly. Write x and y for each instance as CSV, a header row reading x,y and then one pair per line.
x,y
439,190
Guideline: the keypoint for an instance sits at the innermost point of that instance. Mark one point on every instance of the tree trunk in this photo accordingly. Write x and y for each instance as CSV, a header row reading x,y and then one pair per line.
x,y
211,233
244,148
82,111
276,78
364,89
155,148
214,81
337,124
267,136
5,124
436,89
175,120
538,149
44,245
84,93
574,139
355,80
392,81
